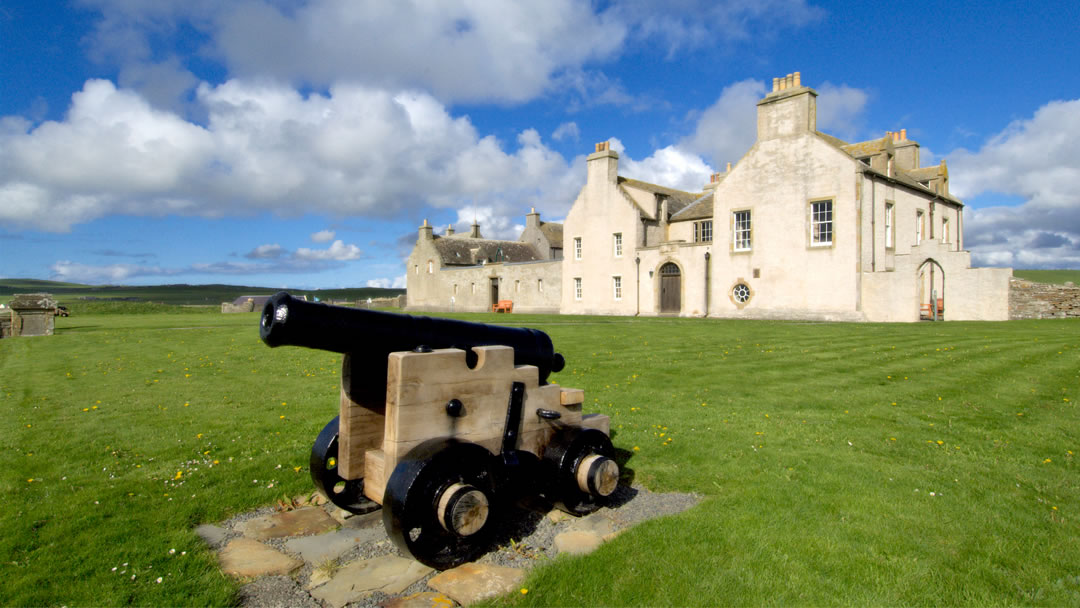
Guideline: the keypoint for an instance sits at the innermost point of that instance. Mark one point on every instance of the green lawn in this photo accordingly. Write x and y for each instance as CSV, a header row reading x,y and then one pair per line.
x,y
74,294
853,464
1058,277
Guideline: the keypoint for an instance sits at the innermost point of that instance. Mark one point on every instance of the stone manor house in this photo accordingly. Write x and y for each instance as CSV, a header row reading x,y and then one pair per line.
x,y
804,226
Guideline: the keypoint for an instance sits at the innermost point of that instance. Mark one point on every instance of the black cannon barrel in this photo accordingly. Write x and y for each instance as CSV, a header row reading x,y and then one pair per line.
x,y
289,321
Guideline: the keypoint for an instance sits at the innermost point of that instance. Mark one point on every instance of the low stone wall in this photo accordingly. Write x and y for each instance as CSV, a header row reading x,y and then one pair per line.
x,y
395,302
1030,300
228,307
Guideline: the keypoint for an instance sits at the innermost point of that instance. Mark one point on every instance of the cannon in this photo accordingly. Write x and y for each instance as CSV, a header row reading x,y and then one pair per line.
x,y
442,423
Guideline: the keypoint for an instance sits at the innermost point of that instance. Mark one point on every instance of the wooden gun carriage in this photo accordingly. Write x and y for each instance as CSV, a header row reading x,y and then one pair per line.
x,y
442,422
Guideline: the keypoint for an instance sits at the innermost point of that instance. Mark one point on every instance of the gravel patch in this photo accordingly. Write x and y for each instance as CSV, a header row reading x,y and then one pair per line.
x,y
526,536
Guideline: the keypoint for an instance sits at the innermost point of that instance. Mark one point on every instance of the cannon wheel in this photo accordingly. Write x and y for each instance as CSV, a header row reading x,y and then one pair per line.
x,y
345,493
439,503
573,449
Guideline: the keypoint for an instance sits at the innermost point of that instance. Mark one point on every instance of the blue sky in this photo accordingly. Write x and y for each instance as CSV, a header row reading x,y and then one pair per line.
x,y
301,144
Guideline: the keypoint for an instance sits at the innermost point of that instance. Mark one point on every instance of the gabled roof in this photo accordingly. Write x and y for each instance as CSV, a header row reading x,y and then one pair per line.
x,y
865,148
925,173
553,232
702,208
677,199
457,251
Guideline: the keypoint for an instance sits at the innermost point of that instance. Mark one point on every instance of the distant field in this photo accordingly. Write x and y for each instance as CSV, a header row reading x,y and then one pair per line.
x,y
851,464
207,295
1056,277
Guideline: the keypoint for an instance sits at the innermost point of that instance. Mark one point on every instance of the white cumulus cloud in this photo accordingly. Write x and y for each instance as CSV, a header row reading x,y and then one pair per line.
x,y
265,147
1033,159
323,236
395,283
337,251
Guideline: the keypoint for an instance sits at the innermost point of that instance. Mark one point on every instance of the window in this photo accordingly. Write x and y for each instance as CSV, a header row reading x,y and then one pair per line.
x,y
517,286
889,236
455,289
944,230
416,269
616,284
918,226
866,160
577,247
577,288
821,223
473,287
430,267
741,293
617,240
703,231
740,230
540,285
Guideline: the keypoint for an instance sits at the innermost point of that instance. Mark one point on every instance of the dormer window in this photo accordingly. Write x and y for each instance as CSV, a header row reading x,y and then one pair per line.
x,y
866,160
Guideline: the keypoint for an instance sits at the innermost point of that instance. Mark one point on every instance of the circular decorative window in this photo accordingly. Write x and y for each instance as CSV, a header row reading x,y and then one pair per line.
x,y
741,293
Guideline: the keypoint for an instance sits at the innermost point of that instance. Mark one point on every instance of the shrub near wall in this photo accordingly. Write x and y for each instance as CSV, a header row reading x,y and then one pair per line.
x,y
1030,300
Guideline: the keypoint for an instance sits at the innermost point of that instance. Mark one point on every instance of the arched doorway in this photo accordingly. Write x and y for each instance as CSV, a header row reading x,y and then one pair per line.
x,y
670,288
931,278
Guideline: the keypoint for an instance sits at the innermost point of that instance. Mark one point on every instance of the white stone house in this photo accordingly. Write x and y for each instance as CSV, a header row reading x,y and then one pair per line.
x,y
804,226
466,272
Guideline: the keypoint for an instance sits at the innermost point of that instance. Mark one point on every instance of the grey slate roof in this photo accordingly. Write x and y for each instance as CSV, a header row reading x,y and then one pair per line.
x,y
702,208
553,232
457,251
677,199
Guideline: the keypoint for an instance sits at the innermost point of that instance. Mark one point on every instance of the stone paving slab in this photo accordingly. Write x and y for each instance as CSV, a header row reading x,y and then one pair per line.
x,y
577,542
312,533
470,583
390,574
301,522
211,534
330,545
247,557
423,599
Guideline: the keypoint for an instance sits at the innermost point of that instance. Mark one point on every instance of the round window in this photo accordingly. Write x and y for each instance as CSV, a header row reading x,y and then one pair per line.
x,y
741,293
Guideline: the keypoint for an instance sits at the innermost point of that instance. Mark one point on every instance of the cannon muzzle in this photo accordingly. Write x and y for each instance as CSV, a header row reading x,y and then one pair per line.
x,y
289,321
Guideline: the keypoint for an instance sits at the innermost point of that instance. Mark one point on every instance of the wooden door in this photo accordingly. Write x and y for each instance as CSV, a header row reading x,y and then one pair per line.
x,y
494,292
670,288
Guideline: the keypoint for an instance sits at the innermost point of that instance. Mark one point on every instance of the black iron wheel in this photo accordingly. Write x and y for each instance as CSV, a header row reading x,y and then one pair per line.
x,y
440,503
575,450
345,493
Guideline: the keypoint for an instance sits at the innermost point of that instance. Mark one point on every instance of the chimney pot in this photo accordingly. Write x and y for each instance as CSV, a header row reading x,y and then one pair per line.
x,y
775,84
425,222
729,167
903,134
798,80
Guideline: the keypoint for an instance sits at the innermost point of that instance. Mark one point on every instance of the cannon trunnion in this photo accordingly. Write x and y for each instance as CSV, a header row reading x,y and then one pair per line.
x,y
443,427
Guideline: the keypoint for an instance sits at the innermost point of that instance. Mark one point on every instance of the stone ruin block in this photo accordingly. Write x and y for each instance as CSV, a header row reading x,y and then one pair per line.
x,y
32,314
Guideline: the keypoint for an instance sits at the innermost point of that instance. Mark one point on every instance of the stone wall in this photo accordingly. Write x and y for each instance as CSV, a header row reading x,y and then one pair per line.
x,y
229,307
394,302
1030,300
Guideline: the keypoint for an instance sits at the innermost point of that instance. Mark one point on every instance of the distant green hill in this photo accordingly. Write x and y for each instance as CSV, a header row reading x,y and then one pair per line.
x,y
210,295
1057,277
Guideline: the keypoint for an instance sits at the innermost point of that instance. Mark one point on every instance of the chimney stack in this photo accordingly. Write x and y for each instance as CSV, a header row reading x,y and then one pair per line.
x,y
426,232
603,165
